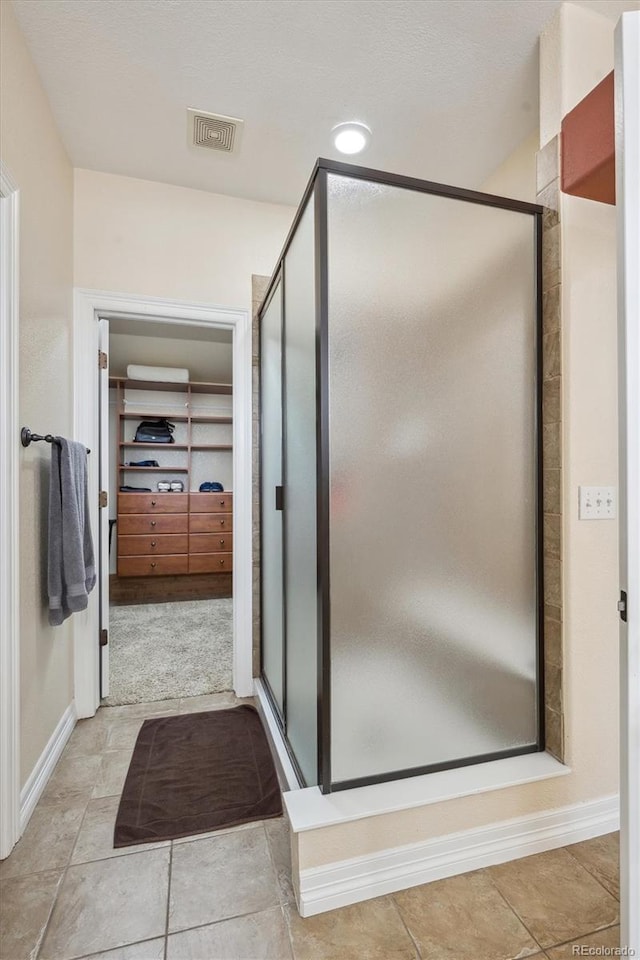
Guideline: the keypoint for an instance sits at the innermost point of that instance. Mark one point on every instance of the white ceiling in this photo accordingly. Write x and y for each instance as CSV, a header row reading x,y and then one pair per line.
x,y
448,87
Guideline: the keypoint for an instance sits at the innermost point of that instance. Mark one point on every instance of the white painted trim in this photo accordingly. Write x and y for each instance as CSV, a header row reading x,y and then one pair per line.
x,y
286,769
39,777
88,305
309,809
362,878
627,106
9,516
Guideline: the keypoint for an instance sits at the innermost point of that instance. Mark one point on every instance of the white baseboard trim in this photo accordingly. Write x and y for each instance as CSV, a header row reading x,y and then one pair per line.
x,y
39,777
362,878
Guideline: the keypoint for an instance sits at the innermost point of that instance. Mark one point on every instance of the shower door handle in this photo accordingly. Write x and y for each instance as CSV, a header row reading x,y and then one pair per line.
x,y
279,498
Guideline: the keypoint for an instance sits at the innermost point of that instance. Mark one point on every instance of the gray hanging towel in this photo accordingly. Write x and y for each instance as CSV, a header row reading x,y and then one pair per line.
x,y
72,572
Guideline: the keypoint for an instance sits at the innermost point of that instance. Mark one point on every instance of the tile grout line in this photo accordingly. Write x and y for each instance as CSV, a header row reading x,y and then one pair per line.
x,y
63,874
215,923
404,924
563,943
552,946
166,926
100,953
285,914
485,871
591,874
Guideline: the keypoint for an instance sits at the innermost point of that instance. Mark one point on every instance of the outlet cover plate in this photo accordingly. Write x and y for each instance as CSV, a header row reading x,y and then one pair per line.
x,y
597,503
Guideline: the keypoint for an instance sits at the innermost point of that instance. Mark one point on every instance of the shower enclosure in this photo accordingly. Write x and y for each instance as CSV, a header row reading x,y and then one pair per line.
x,y
400,479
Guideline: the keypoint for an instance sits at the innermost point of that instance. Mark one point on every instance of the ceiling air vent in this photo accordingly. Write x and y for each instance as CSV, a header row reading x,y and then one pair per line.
x,y
214,132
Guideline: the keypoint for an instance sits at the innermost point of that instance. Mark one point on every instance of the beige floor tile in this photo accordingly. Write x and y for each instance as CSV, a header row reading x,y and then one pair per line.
x,y
260,936
122,734
109,904
131,711
280,847
234,876
147,950
95,840
603,938
47,842
72,780
371,930
463,916
557,899
601,857
210,701
25,906
112,773
89,738
219,833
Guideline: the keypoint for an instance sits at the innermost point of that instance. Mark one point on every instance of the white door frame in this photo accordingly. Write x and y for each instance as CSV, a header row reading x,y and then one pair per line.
x,y
9,522
89,305
627,83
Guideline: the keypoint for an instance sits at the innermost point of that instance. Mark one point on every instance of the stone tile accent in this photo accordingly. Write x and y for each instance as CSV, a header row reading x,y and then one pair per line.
x,y
259,286
547,171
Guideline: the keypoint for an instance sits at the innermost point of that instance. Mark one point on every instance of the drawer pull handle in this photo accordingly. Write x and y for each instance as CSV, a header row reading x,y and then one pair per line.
x,y
154,543
222,503
222,523
222,543
222,563
153,564
153,503
153,523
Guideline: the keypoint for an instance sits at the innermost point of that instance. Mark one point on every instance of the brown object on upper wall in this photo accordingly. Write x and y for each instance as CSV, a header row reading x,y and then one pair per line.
x,y
588,146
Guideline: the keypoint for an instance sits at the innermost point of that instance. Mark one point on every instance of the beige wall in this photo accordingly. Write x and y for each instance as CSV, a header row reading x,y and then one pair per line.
x,y
516,177
157,240
590,456
37,162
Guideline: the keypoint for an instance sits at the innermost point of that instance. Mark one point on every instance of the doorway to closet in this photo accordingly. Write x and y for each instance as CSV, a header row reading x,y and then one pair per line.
x,y
167,537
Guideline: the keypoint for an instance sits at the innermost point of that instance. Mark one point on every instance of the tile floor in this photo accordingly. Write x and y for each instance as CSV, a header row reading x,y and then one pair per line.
x,y
66,893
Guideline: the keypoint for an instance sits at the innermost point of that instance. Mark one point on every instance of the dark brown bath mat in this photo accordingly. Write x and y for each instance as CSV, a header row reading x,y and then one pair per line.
x,y
195,773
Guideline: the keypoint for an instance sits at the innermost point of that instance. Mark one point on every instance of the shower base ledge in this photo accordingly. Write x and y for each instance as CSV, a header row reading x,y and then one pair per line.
x,y
309,809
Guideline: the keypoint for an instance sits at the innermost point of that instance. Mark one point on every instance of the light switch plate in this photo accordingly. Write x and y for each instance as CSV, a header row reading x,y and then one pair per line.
x,y
597,503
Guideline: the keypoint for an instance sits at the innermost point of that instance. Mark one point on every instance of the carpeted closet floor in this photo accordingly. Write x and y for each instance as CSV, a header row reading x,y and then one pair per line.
x,y
162,651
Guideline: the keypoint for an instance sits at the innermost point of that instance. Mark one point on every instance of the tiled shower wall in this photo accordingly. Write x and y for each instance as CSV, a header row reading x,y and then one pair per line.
x,y
548,193
547,196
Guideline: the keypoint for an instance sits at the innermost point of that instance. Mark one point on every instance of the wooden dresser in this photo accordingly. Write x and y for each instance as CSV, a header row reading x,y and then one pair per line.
x,y
210,532
174,533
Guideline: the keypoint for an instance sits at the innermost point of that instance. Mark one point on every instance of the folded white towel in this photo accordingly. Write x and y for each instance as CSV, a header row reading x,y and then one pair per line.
x,y
136,371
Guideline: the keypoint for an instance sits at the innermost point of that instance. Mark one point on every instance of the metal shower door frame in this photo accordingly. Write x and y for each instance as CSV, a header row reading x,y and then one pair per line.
x,y
316,191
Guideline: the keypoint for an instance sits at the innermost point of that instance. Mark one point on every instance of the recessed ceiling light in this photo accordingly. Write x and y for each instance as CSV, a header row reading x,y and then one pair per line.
x,y
351,137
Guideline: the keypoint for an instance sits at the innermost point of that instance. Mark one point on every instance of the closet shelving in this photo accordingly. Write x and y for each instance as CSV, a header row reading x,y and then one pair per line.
x,y
195,393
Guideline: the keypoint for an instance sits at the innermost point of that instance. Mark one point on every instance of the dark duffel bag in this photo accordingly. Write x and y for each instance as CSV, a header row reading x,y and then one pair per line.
x,y
155,431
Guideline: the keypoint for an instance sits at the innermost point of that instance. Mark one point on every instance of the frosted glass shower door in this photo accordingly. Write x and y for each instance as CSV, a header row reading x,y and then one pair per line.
x,y
432,436
300,496
270,499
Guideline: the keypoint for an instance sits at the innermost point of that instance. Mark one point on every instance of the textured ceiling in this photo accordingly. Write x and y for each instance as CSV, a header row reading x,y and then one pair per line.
x,y
448,87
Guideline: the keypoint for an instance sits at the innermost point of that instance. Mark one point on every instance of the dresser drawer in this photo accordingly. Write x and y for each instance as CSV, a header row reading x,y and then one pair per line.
x,y
150,544
210,502
210,562
210,522
137,523
152,566
153,502
210,543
